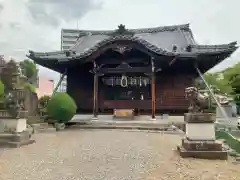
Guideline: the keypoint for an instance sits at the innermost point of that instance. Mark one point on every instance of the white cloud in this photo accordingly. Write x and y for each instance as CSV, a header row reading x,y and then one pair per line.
x,y
35,24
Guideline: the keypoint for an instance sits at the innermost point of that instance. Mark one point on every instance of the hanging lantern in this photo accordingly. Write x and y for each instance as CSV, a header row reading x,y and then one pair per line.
x,y
124,81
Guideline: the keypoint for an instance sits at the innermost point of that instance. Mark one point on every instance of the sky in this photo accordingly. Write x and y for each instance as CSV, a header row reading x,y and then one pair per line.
x,y
37,24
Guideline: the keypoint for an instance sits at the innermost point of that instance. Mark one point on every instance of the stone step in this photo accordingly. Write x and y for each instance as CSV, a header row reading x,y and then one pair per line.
x,y
129,127
40,125
8,140
6,137
15,137
19,144
3,142
43,127
46,130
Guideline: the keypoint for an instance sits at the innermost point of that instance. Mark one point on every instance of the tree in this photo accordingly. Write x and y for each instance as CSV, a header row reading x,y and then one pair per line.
x,y
231,72
232,75
29,70
217,83
9,75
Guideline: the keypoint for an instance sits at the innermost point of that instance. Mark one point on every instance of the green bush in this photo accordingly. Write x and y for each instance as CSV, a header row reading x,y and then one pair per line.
x,y
1,89
61,107
2,100
30,87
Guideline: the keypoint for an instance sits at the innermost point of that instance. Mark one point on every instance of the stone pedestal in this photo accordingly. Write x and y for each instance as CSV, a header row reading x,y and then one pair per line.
x,y
13,125
10,140
200,141
203,131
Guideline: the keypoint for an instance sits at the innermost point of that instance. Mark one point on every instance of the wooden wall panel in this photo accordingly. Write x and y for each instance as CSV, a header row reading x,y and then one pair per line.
x,y
80,88
169,93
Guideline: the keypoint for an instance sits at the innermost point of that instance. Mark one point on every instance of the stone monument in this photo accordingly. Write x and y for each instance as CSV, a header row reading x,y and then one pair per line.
x,y
200,141
13,122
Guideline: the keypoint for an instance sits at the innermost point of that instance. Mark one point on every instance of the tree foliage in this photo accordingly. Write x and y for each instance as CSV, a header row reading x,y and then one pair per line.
x,y
9,75
1,89
226,81
217,83
232,75
29,70
29,86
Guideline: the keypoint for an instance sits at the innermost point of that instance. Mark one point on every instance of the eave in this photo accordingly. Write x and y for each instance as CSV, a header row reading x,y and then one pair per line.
x,y
208,60
56,60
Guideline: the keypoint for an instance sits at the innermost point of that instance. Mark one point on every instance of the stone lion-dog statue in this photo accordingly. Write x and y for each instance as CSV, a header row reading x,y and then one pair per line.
x,y
198,102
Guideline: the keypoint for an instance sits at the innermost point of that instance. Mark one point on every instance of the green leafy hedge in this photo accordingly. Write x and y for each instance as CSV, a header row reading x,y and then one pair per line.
x,y
61,107
29,86
232,142
2,101
1,89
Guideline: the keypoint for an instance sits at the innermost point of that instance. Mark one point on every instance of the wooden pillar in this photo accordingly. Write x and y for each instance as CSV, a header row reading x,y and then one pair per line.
x,y
95,96
153,96
153,90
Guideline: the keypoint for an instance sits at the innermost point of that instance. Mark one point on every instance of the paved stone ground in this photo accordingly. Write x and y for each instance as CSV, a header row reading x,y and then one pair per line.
x,y
108,155
231,122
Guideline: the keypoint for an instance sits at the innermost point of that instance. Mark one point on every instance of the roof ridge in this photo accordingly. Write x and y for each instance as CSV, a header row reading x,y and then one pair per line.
x,y
184,27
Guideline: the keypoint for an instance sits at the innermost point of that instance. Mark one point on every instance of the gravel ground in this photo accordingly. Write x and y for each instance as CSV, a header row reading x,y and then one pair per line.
x,y
110,155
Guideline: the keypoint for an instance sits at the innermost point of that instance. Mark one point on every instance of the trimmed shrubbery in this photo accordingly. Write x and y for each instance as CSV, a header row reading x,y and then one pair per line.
x,y
61,107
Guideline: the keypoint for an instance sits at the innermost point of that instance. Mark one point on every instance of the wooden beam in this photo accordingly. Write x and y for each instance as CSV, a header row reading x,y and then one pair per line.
x,y
124,70
119,60
59,82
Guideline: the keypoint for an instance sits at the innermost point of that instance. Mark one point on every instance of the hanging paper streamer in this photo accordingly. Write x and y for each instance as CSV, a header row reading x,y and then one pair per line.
x,y
126,81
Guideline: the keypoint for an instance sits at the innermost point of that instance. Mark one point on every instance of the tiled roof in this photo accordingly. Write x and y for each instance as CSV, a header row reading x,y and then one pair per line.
x,y
159,40
160,36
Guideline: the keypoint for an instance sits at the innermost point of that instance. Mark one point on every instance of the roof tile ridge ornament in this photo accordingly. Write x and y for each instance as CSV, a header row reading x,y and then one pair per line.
x,y
183,27
122,31
187,32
